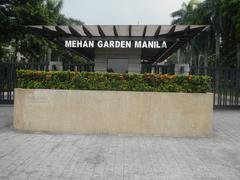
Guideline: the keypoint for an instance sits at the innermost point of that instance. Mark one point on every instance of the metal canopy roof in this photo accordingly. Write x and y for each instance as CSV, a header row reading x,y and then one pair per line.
x,y
175,35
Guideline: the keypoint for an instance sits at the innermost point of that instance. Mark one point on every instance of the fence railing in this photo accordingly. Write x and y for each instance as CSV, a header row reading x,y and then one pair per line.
x,y
158,69
79,67
225,81
225,85
8,76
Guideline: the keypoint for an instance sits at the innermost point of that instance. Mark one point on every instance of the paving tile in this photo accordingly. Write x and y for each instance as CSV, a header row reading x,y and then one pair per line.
x,y
122,157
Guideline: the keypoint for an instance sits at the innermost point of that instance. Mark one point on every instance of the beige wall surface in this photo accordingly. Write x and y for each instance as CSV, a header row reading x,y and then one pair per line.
x,y
80,111
133,56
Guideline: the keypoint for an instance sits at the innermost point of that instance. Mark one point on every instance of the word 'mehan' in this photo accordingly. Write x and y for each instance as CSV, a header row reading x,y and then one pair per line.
x,y
115,44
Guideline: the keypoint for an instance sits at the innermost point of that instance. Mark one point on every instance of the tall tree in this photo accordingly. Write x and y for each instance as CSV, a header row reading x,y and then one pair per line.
x,y
15,14
224,18
186,14
231,27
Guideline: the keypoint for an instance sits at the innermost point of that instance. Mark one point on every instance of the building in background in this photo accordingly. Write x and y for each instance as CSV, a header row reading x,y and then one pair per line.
x,y
126,59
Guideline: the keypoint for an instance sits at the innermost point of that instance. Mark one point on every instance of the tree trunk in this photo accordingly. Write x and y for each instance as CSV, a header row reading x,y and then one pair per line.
x,y
238,54
178,56
217,38
45,54
205,56
191,56
191,53
49,56
196,58
188,53
206,46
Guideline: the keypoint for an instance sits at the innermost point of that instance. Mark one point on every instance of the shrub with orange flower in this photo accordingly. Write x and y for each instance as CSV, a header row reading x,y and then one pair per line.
x,y
190,77
113,81
48,76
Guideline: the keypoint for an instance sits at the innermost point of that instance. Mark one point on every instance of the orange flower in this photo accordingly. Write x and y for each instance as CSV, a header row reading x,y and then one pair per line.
x,y
48,76
171,76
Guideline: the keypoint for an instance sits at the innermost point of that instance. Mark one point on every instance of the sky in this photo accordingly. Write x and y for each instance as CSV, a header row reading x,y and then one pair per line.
x,y
121,12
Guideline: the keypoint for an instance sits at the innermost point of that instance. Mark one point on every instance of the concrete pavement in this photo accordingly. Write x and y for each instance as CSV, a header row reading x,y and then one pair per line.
x,y
6,115
96,157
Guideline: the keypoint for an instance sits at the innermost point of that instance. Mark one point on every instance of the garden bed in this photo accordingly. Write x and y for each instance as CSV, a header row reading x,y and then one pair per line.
x,y
112,81
93,105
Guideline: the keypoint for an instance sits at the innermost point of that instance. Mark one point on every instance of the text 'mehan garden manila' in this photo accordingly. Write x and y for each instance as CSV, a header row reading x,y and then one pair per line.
x,y
115,44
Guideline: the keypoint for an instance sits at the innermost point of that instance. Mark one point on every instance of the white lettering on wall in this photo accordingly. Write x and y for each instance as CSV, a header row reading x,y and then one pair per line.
x,y
115,44
68,44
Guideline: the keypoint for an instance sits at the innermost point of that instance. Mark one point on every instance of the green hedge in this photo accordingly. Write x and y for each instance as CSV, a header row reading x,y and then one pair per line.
x,y
112,81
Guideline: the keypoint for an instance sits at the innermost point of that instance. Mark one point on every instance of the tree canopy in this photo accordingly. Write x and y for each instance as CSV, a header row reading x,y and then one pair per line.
x,y
224,18
15,14
220,46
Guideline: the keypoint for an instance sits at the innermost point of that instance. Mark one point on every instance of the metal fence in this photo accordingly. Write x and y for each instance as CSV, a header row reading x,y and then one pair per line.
x,y
225,85
8,76
158,69
79,67
225,81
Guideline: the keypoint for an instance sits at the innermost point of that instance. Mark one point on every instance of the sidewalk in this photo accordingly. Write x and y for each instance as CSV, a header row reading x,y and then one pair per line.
x,y
6,115
96,157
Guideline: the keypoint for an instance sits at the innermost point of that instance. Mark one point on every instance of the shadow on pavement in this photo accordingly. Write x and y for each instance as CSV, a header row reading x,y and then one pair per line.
x,y
6,115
